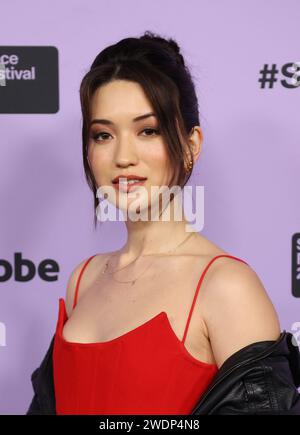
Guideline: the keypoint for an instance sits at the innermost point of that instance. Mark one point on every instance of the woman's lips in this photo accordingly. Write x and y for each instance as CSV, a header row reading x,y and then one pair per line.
x,y
128,187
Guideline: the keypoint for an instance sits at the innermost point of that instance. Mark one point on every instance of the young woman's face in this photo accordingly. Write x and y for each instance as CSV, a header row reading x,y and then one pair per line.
x,y
125,146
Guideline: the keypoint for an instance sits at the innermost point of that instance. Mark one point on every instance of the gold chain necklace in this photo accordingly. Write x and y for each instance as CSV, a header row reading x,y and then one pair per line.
x,y
133,281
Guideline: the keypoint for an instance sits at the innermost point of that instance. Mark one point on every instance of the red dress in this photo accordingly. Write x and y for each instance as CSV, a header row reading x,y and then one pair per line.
x,y
147,370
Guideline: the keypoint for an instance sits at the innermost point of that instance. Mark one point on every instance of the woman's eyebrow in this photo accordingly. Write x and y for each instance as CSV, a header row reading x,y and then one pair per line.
x,y
108,122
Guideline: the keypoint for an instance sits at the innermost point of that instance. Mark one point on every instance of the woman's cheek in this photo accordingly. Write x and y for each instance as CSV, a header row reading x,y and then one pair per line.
x,y
160,163
156,159
99,165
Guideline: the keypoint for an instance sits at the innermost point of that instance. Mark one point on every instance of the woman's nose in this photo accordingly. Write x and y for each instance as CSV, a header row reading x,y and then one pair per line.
x,y
125,153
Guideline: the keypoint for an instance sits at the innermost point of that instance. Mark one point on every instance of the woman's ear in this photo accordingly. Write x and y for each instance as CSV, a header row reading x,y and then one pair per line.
x,y
196,141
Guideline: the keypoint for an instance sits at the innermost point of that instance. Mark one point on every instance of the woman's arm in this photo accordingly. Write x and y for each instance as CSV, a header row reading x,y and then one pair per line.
x,y
237,309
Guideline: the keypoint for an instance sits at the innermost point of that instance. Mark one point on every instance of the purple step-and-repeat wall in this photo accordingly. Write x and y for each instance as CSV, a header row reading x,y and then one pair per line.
x,y
244,57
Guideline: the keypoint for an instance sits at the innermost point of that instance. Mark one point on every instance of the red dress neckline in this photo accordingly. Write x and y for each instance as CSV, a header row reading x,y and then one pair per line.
x,y
161,317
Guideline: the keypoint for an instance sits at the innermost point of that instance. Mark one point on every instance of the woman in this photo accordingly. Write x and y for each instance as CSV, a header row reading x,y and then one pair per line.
x,y
134,334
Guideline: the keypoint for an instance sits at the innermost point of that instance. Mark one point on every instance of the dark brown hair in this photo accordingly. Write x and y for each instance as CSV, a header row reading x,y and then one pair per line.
x,y
159,67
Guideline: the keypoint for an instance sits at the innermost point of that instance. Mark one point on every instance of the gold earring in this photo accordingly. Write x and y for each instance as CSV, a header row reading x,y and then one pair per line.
x,y
190,165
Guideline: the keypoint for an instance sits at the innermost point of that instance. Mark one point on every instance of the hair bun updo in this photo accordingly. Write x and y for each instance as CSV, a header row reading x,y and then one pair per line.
x,y
170,44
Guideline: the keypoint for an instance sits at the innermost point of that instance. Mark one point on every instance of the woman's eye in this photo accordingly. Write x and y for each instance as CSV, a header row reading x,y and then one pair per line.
x,y
96,136
99,136
151,130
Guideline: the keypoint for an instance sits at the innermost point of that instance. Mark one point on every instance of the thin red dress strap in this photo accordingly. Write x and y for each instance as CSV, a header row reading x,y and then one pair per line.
x,y
198,288
79,278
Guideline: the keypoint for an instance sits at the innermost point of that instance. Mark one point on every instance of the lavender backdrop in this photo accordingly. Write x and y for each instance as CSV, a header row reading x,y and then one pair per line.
x,y
249,165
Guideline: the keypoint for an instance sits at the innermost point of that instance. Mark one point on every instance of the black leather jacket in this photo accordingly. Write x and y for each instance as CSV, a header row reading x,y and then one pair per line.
x,y
261,378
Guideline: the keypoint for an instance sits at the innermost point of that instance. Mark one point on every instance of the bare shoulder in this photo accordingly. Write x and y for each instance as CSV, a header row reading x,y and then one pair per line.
x,y
90,273
237,308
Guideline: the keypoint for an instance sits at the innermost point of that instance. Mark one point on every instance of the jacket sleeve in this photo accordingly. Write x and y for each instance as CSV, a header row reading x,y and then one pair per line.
x,y
273,391
271,385
266,388
262,385
43,400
